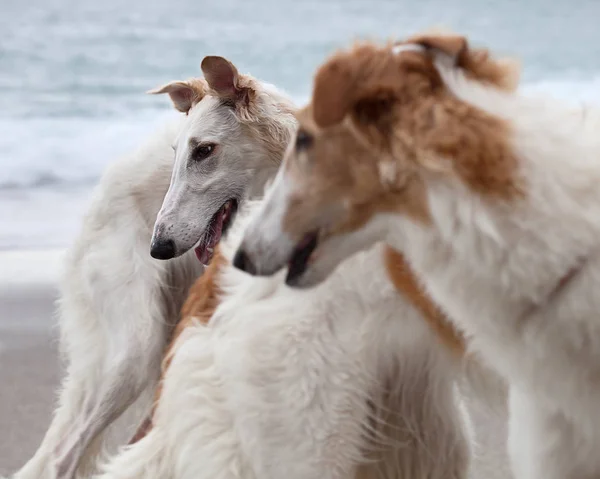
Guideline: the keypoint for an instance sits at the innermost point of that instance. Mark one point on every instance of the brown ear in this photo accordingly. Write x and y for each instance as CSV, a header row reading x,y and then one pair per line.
x,y
333,88
222,77
183,94
454,46
366,76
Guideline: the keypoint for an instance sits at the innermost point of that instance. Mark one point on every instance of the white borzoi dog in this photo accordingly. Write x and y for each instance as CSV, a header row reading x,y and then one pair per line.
x,y
118,305
494,198
342,381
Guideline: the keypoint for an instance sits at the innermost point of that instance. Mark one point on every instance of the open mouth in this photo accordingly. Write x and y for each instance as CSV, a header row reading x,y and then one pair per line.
x,y
301,257
217,227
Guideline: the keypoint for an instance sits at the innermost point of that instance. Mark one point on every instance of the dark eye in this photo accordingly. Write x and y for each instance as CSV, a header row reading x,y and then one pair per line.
x,y
303,140
203,151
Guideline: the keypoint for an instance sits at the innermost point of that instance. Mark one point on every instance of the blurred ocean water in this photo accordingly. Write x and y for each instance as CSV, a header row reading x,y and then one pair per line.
x,y
73,74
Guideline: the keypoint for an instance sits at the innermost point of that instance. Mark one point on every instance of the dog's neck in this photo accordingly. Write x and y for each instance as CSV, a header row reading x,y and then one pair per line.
x,y
518,250
521,251
556,220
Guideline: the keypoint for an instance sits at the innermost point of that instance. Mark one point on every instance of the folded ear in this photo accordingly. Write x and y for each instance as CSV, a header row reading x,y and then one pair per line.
x,y
333,91
222,77
504,73
183,94
366,76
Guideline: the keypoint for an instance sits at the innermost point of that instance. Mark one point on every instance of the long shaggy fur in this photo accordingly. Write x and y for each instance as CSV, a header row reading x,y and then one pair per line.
x,y
116,309
493,198
118,305
345,380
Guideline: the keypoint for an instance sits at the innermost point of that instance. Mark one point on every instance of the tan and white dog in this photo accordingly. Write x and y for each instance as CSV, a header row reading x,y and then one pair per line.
x,y
119,305
345,380
493,197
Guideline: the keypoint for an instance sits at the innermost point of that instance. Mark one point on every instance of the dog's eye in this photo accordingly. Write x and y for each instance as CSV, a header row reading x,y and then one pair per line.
x,y
203,151
303,140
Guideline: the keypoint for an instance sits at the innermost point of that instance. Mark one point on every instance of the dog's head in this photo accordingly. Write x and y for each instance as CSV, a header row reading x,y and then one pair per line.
x,y
231,142
383,124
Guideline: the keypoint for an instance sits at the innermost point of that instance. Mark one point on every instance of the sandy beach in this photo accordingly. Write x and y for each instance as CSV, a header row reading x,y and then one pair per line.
x,y
29,363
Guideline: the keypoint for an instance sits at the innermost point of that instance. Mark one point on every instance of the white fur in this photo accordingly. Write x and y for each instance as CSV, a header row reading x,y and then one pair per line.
x,y
118,305
493,266
344,380
388,170
238,168
272,210
407,47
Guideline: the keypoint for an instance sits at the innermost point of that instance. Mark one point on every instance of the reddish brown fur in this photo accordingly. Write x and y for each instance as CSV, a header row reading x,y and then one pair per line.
x,y
407,284
202,300
373,108
200,305
476,62
400,106
353,181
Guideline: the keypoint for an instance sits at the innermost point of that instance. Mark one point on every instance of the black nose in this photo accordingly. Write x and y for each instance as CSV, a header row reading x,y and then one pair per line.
x,y
242,261
162,249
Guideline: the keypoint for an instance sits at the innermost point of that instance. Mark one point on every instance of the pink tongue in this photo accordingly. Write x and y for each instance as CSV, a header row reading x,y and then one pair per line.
x,y
204,251
203,255
215,235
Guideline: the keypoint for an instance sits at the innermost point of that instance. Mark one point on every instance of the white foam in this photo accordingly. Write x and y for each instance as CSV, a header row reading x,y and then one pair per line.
x,y
573,91
68,151
48,166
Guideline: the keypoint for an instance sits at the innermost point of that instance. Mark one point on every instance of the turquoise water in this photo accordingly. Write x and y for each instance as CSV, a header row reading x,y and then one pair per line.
x,y
73,73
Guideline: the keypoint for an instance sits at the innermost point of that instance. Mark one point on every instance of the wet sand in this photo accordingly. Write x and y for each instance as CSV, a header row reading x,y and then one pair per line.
x,y
29,363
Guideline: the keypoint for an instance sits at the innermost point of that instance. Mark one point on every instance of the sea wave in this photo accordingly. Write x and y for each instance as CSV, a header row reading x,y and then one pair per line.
x,y
572,90
49,165
57,152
